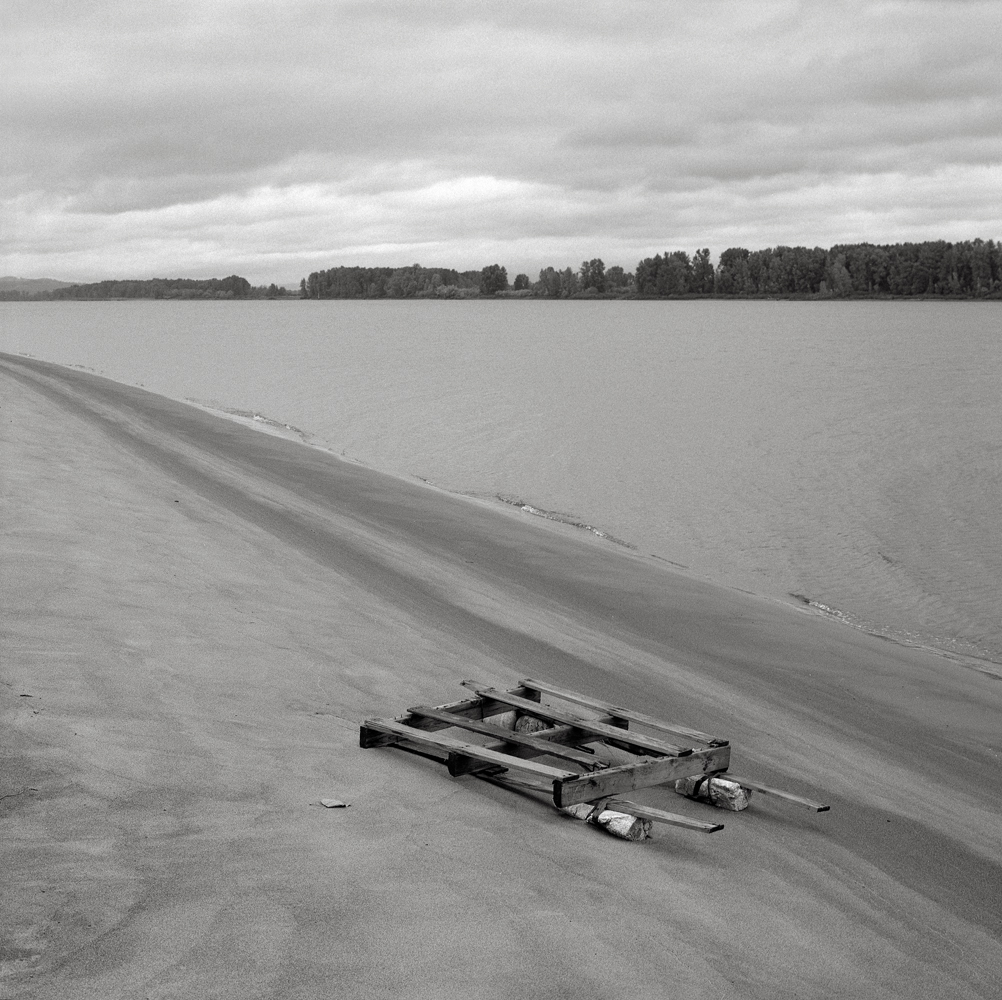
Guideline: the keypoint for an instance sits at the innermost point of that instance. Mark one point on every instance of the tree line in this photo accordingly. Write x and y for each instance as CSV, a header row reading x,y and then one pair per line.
x,y
969,269
233,287
394,283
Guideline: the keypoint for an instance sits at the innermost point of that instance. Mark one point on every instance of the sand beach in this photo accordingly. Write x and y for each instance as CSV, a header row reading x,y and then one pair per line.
x,y
196,616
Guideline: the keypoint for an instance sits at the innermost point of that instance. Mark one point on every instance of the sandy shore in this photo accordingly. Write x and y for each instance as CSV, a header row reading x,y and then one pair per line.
x,y
197,616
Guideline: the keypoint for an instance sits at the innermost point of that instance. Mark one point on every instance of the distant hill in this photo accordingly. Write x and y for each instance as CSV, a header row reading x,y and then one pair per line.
x,y
11,284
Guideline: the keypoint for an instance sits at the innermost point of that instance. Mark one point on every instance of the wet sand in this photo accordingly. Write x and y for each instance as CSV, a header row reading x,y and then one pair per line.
x,y
197,616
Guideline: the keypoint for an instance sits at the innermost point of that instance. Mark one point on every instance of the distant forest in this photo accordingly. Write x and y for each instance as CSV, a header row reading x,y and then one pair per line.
x,y
233,287
968,270
971,269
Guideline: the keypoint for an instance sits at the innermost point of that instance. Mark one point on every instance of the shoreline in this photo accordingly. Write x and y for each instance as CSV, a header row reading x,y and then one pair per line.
x,y
268,425
960,652
254,420
199,618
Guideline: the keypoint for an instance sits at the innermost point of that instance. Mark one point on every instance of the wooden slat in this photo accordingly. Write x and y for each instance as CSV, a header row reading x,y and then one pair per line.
x,y
613,780
566,735
621,713
660,816
457,747
644,744
558,736
369,738
522,783
777,793
472,708
622,805
531,742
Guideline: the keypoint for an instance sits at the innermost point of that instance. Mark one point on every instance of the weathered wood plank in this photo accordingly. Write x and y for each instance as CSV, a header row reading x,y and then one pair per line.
x,y
531,742
457,747
369,738
558,735
644,744
778,793
472,708
460,764
622,805
621,713
613,780
660,816
569,735
520,783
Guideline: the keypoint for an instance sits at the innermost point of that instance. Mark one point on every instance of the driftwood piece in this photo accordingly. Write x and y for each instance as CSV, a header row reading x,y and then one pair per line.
x,y
724,793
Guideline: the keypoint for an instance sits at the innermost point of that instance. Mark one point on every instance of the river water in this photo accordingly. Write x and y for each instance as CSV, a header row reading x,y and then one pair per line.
x,y
847,452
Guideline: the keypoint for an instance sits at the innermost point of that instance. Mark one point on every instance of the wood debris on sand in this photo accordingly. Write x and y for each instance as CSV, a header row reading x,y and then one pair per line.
x,y
513,739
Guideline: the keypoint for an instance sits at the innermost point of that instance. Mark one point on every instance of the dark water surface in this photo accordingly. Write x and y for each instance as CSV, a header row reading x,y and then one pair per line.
x,y
848,452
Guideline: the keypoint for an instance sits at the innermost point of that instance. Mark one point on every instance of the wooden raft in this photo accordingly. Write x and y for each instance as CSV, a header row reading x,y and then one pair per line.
x,y
573,758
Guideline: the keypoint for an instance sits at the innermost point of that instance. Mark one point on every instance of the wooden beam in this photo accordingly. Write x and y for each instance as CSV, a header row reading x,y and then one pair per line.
x,y
558,736
659,771
777,793
521,784
369,738
621,713
460,749
644,744
660,816
531,742
472,708
621,805
459,764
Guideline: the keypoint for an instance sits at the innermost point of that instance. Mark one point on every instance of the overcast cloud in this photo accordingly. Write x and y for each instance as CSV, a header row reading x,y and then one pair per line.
x,y
273,138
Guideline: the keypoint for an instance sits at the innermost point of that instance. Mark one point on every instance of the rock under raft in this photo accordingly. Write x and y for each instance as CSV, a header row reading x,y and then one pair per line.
x,y
619,824
716,791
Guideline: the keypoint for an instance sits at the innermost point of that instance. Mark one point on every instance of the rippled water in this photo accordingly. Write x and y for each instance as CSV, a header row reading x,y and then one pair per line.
x,y
849,452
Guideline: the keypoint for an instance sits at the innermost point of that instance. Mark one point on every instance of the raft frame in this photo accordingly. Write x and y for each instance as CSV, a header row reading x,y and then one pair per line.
x,y
570,738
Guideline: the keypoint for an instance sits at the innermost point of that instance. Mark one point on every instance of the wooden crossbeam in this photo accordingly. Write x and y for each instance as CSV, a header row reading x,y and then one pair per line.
x,y
621,713
532,742
457,748
643,744
627,778
778,793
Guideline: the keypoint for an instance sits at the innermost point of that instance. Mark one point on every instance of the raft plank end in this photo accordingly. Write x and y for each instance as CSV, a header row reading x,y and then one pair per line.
x,y
630,777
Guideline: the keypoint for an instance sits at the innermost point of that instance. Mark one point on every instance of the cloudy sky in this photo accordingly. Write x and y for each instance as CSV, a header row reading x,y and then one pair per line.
x,y
272,138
